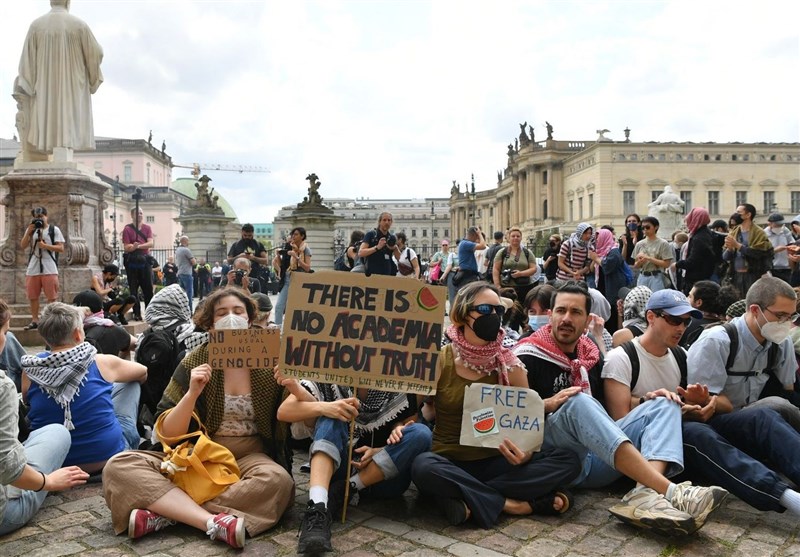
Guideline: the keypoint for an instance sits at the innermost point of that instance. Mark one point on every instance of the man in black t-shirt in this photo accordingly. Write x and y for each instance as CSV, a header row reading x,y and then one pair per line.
x,y
251,249
378,247
491,251
170,271
550,258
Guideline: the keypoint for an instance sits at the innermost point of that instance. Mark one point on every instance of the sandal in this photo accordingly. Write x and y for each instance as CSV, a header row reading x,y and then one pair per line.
x,y
544,504
30,326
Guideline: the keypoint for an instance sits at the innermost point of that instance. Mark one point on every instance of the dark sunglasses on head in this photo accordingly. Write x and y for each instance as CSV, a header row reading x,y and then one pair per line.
x,y
487,309
674,320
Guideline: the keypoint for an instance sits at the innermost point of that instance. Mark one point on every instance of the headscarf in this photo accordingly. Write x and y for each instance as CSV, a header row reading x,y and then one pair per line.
x,y
696,219
634,307
579,230
484,359
736,309
604,242
61,374
170,306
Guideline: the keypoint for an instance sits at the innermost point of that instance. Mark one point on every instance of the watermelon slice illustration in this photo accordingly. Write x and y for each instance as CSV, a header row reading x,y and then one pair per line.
x,y
426,299
484,426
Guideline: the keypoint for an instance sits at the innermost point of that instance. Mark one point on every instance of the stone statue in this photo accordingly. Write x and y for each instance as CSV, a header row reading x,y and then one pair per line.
x,y
205,198
668,209
510,152
454,189
499,176
58,72
602,137
549,129
523,137
530,132
627,134
150,138
163,147
313,197
516,146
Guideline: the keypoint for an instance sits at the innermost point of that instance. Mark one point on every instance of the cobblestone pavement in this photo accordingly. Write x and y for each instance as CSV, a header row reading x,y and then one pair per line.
x,y
77,522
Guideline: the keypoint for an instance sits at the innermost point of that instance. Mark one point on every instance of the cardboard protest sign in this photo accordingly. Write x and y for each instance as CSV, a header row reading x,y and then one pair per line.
x,y
247,348
376,332
494,412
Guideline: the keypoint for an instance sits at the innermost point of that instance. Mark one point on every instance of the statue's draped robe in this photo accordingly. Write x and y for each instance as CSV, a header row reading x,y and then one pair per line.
x,y
58,71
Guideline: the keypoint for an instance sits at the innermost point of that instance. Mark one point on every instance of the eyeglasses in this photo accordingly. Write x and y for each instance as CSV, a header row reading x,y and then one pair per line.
x,y
487,309
646,227
783,317
674,320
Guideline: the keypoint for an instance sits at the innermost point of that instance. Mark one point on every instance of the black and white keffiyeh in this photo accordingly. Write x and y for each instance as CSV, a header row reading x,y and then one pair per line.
x,y
169,307
60,375
634,307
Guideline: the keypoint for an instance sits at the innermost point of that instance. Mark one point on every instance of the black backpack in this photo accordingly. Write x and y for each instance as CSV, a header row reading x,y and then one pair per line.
x,y
160,352
677,352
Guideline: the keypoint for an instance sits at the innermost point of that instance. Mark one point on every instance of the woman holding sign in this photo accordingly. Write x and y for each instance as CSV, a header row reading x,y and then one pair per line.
x,y
481,482
238,408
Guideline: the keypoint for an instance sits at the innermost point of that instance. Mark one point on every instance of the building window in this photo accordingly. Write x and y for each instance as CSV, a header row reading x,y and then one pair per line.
x,y
446,232
690,157
686,196
654,195
678,157
424,232
796,202
148,172
544,177
745,157
734,158
127,173
150,219
634,156
628,202
571,213
413,232
544,209
713,202
491,212
741,198
591,205
580,208
769,202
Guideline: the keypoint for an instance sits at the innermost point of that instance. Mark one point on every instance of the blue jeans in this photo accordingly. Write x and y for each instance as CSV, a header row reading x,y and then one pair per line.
x,y
729,448
187,283
45,450
583,426
331,437
125,398
653,282
280,304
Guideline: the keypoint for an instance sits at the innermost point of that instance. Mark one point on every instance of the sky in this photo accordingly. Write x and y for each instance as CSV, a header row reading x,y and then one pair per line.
x,y
386,99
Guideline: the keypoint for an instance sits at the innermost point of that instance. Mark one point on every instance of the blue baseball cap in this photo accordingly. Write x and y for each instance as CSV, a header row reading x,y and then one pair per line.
x,y
672,302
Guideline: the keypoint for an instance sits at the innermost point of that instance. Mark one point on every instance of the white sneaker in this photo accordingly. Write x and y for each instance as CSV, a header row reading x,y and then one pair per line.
x,y
697,501
643,507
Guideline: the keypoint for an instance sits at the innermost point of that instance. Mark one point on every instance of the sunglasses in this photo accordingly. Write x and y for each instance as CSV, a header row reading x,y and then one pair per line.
x,y
487,309
674,320
646,227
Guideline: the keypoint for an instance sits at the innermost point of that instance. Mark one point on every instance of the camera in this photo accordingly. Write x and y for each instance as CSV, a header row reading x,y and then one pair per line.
x,y
505,275
113,294
38,223
391,241
239,277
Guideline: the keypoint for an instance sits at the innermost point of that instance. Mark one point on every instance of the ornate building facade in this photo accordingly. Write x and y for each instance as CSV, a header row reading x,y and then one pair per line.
x,y
553,185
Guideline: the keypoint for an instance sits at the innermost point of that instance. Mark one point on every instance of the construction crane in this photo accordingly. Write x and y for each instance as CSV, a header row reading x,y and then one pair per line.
x,y
198,167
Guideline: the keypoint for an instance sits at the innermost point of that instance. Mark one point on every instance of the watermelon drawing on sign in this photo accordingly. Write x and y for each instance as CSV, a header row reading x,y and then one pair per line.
x,y
426,299
484,422
484,426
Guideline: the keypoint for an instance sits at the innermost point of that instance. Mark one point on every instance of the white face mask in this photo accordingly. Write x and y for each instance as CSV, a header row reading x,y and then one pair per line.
x,y
537,321
231,321
774,331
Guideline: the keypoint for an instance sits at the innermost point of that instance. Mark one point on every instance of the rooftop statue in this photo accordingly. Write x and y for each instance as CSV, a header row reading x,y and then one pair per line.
x,y
58,72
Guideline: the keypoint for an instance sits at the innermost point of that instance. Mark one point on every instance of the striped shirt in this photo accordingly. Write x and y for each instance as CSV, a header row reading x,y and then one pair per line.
x,y
576,258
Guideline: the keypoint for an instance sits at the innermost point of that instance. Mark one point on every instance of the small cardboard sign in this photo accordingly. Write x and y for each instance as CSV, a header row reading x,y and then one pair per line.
x,y
376,332
495,412
244,348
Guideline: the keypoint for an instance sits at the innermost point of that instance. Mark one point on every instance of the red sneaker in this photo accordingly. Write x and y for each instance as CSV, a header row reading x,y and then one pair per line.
x,y
229,529
143,522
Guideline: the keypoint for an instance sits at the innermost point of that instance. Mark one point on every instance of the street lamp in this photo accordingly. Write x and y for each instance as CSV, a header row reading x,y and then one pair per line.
x,y
472,199
114,217
433,221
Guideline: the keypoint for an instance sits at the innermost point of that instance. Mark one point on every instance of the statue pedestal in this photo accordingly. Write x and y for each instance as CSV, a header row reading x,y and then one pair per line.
x,y
669,222
319,222
206,234
74,199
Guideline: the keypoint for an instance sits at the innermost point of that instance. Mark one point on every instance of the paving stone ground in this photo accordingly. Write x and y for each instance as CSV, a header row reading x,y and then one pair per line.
x,y
77,522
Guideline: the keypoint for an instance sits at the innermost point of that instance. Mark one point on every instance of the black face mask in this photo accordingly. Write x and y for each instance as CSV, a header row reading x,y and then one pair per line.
x,y
486,327
737,218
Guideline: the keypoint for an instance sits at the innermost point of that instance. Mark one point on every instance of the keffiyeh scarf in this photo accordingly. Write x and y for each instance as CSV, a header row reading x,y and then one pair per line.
x,y
542,344
634,307
60,374
493,357
170,306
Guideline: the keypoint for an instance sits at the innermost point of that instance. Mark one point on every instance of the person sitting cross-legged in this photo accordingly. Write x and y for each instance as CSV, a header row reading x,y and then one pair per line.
x,y
387,441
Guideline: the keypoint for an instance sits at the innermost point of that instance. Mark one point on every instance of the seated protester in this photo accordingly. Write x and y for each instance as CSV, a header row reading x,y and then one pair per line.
x,y
102,333
707,454
702,297
238,409
762,339
633,315
239,276
386,440
537,304
95,396
481,482
114,305
513,318
562,366
11,359
169,309
264,305
736,309
24,486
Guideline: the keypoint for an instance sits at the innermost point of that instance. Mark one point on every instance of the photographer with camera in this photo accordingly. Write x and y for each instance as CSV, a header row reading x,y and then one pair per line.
x,y
185,262
251,249
294,257
240,276
105,284
378,247
137,239
45,242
